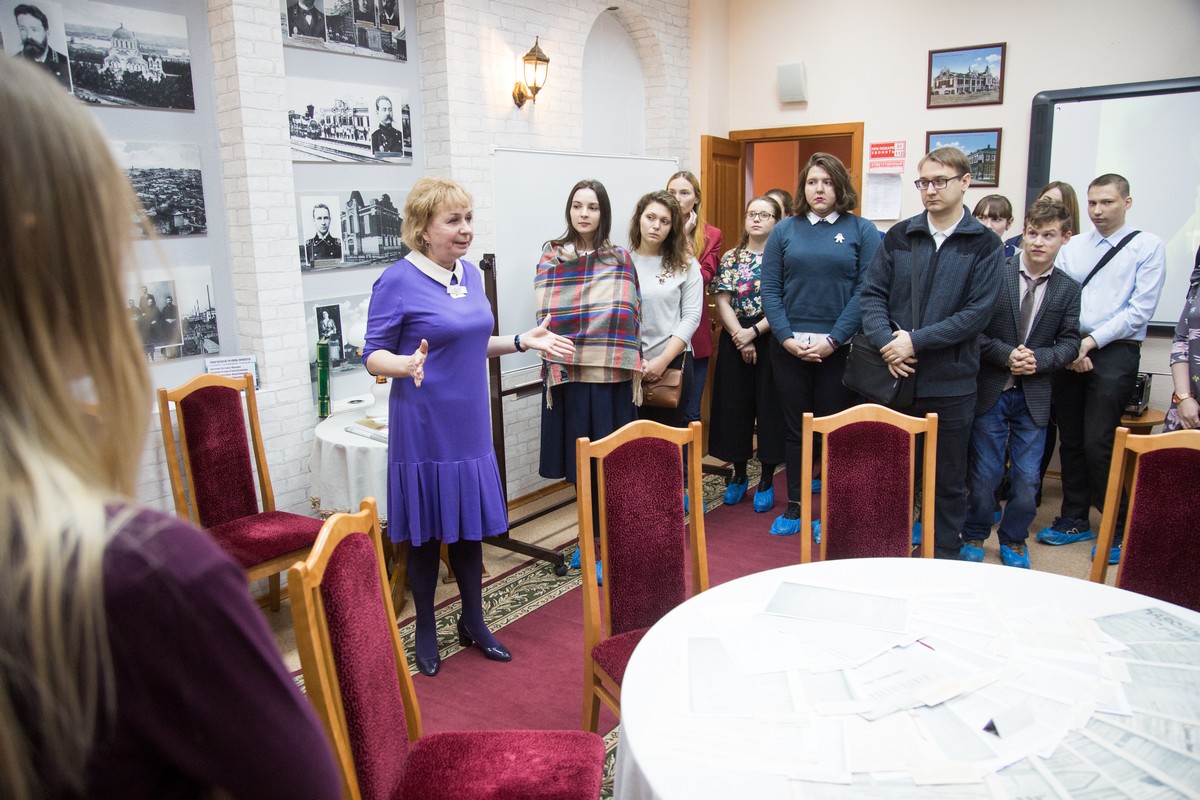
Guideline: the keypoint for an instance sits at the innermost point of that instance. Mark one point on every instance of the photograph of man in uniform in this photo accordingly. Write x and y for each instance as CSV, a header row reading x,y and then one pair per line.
x,y
32,26
386,140
364,12
389,14
329,324
305,19
323,246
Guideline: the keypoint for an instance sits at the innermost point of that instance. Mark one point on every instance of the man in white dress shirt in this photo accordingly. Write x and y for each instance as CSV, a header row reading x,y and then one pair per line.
x,y
1089,395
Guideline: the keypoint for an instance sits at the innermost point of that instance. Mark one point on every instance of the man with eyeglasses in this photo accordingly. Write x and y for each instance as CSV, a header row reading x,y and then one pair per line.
x,y
958,264
1122,272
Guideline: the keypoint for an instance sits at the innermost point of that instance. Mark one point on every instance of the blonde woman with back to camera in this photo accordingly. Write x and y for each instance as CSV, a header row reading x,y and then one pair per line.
x,y
135,661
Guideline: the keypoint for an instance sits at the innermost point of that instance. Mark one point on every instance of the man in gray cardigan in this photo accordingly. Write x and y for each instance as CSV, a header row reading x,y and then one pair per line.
x,y
1034,332
957,261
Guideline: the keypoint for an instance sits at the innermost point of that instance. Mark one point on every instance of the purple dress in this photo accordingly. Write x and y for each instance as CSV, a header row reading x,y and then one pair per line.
x,y
443,479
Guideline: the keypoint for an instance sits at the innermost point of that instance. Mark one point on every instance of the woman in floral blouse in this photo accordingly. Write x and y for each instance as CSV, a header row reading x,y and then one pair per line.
x,y
1185,364
742,390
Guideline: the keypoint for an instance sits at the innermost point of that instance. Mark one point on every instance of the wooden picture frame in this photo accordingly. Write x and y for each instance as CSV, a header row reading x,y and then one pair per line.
x,y
982,146
966,76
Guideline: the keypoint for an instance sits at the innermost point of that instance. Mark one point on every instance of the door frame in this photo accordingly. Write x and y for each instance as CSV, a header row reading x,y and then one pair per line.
x,y
855,130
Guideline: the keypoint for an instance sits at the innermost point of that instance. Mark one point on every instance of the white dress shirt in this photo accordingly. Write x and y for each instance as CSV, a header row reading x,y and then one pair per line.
x,y
1121,298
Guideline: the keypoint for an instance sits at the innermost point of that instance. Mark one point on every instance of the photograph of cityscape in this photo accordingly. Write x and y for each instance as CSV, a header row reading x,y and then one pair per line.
x,y
982,146
129,57
173,310
330,121
359,228
373,28
167,179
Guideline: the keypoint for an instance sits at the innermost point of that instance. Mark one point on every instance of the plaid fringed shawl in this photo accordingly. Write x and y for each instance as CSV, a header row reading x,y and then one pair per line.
x,y
596,303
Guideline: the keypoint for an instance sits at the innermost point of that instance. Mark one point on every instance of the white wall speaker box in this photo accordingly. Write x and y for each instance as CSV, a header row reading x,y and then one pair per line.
x,y
792,82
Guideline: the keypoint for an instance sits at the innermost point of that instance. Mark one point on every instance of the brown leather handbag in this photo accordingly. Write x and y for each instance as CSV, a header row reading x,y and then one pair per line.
x,y
664,392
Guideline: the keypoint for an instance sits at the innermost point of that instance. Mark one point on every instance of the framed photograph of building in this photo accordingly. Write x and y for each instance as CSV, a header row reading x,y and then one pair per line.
x,y
333,121
966,76
982,146
357,228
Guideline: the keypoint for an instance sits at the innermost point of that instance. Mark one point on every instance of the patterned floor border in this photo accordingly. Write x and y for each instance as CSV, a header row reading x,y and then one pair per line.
x,y
523,591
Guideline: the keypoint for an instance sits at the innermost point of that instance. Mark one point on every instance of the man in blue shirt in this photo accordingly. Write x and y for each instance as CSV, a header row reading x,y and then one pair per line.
x,y
958,264
1090,394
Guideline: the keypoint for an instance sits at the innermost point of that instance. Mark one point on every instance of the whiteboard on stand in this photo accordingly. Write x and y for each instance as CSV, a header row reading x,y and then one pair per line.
x,y
531,189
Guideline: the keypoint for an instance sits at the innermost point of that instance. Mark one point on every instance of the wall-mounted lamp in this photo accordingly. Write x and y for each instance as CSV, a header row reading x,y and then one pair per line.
x,y
536,67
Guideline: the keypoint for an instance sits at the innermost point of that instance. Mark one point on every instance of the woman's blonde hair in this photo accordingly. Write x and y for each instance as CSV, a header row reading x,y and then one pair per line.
x,y
74,400
427,197
697,240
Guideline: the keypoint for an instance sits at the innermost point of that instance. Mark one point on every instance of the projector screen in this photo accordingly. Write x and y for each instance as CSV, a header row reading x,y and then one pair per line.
x,y
1150,134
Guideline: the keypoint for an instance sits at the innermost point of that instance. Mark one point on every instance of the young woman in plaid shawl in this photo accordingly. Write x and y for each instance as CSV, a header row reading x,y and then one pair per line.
x,y
590,288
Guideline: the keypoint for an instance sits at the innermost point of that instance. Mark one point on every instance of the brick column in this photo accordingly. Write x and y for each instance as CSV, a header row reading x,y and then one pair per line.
x,y
248,77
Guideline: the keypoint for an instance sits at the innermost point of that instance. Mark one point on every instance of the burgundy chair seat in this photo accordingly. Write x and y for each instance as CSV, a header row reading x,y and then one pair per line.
x,y
613,654
264,536
531,765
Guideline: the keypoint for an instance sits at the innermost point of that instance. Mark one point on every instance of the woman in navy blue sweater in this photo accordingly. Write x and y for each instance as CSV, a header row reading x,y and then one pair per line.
x,y
811,275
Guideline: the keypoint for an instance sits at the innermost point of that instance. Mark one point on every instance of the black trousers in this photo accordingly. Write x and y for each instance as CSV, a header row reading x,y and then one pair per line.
x,y
1088,406
744,394
955,417
806,386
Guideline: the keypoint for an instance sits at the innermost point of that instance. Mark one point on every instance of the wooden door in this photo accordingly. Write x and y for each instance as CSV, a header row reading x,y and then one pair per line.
x,y
723,179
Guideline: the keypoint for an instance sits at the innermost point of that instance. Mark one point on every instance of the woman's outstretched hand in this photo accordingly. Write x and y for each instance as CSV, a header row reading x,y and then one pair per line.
x,y
543,339
416,367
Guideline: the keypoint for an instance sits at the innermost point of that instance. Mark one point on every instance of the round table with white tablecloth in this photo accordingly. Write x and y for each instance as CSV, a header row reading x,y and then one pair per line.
x,y
669,750
347,466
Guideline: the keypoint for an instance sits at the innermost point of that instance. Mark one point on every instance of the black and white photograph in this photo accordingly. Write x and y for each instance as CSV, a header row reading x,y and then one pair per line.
x,y
320,231
372,28
333,121
344,318
167,179
364,224
364,13
329,329
173,310
35,32
966,76
304,20
122,56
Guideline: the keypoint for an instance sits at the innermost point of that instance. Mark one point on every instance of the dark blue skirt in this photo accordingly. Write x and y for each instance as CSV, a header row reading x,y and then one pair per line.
x,y
593,410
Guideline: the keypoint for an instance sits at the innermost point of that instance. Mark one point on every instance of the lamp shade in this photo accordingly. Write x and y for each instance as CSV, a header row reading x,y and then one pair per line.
x,y
537,67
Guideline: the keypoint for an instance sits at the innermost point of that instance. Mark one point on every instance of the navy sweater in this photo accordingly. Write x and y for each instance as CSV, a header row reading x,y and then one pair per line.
x,y
958,290
811,275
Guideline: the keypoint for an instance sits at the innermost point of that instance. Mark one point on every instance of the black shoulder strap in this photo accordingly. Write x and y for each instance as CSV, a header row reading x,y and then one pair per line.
x,y
1109,257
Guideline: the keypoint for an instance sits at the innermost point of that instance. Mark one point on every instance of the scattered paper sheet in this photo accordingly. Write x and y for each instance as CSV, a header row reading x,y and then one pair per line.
x,y
805,601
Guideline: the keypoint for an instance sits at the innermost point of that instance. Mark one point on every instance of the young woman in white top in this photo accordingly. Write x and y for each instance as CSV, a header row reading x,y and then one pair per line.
x,y
672,293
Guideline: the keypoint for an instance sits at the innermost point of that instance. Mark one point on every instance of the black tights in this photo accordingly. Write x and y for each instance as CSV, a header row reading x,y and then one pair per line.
x,y
466,560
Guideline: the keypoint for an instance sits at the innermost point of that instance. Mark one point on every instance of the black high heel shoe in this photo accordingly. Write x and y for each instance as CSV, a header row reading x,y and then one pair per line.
x,y
429,666
497,653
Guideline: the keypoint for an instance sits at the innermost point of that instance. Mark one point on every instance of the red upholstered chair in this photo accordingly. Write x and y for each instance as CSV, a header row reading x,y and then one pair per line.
x,y
869,457
644,546
357,677
219,479
1159,557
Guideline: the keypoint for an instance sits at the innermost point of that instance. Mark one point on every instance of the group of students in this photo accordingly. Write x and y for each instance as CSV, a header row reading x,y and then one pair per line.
x,y
994,338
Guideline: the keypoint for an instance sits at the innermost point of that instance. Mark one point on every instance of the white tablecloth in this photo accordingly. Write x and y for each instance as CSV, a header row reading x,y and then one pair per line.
x,y
346,467
658,667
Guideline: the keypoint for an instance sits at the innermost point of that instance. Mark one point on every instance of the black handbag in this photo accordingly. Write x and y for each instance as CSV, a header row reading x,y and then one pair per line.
x,y
868,374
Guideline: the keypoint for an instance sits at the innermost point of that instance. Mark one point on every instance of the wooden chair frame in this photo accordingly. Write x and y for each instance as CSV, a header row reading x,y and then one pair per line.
x,y
869,412
1122,473
312,636
182,485
598,686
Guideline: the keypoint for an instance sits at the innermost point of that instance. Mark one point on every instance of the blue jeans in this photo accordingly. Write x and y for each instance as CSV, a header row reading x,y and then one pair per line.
x,y
1007,422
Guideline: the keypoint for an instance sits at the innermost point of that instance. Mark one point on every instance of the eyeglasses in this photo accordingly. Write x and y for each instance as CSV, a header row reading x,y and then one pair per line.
x,y
937,183
758,216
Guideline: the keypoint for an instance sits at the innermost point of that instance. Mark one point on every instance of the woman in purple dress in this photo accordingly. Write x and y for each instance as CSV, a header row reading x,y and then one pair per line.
x,y
443,479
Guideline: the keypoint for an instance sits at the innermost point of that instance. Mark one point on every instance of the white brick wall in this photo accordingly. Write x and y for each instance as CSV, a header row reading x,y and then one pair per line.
x,y
468,110
469,51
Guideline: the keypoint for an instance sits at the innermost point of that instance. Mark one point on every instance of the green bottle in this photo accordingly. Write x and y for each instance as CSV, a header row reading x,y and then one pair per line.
x,y
323,403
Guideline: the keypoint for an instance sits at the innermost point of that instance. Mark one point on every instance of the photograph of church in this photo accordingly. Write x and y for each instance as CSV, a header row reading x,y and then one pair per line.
x,y
125,56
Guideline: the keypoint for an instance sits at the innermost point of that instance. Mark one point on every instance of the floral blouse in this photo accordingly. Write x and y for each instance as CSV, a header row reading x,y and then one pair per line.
x,y
741,275
1182,351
